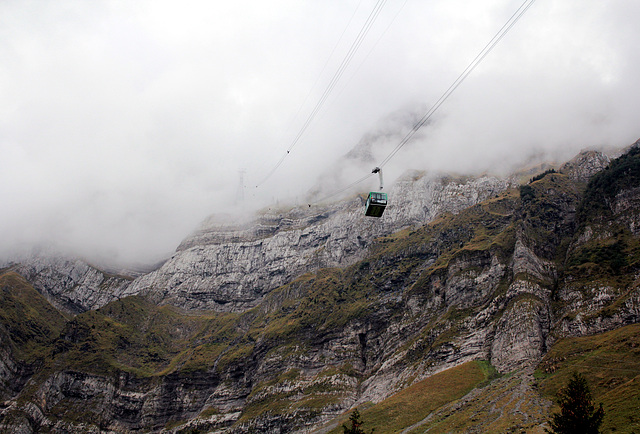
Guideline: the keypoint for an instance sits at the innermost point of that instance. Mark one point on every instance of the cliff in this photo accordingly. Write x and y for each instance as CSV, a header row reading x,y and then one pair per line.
x,y
233,268
466,285
70,284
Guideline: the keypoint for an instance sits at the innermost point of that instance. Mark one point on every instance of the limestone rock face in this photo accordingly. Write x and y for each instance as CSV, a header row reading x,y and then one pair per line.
x,y
585,165
231,268
11,371
491,280
626,209
521,335
126,404
71,285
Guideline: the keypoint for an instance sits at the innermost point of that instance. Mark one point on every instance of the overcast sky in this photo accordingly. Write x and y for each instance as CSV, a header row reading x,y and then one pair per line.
x,y
123,124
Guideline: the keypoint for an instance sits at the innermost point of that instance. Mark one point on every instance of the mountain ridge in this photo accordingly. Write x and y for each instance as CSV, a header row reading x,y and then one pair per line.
x,y
500,280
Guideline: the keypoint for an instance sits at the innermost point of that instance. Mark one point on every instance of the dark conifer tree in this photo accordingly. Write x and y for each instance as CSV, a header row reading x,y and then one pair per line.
x,y
356,423
578,413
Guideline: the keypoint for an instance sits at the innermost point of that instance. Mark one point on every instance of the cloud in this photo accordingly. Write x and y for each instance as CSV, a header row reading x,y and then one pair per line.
x,y
124,124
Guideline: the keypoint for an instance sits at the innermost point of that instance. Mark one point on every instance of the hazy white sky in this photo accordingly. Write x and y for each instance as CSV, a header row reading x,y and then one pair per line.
x,y
124,124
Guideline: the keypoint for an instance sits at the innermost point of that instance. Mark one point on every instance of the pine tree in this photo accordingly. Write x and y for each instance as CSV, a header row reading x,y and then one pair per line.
x,y
577,409
356,423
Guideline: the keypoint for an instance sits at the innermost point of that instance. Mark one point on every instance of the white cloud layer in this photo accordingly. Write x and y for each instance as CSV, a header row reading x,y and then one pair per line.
x,y
124,124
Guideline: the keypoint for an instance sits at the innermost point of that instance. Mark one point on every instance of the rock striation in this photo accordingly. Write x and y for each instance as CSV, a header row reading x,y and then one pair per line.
x,y
284,322
71,285
229,268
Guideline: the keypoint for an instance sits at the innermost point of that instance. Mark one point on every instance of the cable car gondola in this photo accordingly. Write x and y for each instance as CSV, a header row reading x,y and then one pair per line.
x,y
376,201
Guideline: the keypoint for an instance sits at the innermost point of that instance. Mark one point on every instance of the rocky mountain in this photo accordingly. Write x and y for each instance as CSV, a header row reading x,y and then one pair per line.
x,y
71,285
435,317
232,268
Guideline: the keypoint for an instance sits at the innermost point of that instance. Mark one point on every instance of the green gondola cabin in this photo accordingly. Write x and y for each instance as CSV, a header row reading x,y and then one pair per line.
x,y
375,205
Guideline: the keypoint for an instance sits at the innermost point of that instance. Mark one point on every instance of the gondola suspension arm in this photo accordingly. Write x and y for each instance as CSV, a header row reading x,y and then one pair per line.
x,y
379,172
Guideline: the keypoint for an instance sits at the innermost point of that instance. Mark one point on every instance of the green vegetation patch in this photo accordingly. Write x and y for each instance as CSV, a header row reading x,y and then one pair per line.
x,y
622,173
618,254
498,407
136,336
31,323
327,301
542,175
546,204
611,363
235,355
203,357
417,401
482,230
290,403
290,393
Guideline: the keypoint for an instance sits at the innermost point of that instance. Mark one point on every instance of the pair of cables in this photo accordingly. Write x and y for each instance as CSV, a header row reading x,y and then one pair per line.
x,y
508,25
353,49
524,7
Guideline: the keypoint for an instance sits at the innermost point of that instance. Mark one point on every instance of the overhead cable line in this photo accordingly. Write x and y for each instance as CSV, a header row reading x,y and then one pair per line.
x,y
371,49
474,63
343,66
458,81
326,62
373,15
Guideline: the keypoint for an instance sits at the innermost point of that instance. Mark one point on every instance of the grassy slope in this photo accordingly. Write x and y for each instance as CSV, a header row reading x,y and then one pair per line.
x,y
611,363
612,251
622,173
414,403
31,323
502,406
417,401
136,336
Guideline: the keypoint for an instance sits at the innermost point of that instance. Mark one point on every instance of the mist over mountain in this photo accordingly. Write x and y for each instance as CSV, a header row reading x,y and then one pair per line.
x,y
468,291
183,241
124,126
